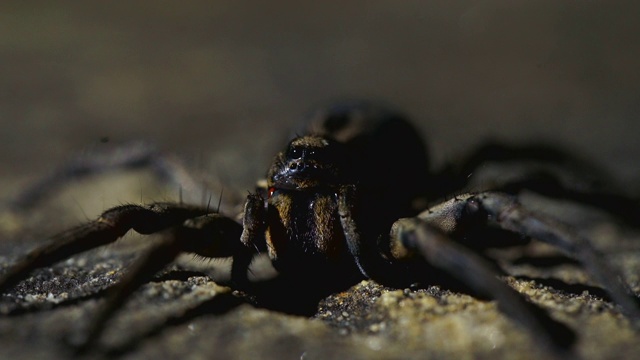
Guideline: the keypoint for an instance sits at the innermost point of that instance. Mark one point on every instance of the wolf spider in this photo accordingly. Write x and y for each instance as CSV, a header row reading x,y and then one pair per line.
x,y
346,203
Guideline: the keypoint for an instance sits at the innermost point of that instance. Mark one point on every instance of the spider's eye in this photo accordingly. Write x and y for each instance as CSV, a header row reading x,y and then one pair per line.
x,y
294,153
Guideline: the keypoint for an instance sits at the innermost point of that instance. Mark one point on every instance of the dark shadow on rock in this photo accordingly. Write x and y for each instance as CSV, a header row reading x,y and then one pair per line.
x,y
177,275
545,262
219,304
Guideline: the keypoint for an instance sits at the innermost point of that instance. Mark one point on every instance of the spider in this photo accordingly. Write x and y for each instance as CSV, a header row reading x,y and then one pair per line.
x,y
353,199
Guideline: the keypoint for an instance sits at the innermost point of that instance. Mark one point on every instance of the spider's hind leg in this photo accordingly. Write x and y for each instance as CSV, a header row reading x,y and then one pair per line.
x,y
546,170
127,156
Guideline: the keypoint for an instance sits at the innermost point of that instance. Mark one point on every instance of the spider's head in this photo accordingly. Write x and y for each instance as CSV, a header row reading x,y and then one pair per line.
x,y
308,163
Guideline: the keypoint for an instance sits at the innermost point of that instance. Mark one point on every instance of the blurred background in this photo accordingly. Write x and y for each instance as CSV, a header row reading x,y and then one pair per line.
x,y
220,83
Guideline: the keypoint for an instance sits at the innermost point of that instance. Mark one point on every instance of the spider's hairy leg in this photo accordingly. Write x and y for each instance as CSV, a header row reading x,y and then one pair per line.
x,y
509,214
253,231
212,236
107,228
413,238
365,253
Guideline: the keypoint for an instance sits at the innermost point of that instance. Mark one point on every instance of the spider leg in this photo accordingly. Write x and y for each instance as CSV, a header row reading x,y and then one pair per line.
x,y
137,274
414,239
133,155
109,227
549,171
507,213
208,236
441,252
365,253
623,207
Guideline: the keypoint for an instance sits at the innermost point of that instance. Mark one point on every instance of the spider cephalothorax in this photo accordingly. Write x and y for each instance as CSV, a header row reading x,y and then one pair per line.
x,y
309,163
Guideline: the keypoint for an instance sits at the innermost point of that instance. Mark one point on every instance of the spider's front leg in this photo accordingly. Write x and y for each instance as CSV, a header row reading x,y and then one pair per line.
x,y
107,228
412,238
193,229
414,241
425,236
211,236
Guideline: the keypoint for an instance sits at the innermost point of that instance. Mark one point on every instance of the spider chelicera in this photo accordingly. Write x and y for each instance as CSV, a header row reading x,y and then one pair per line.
x,y
350,202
